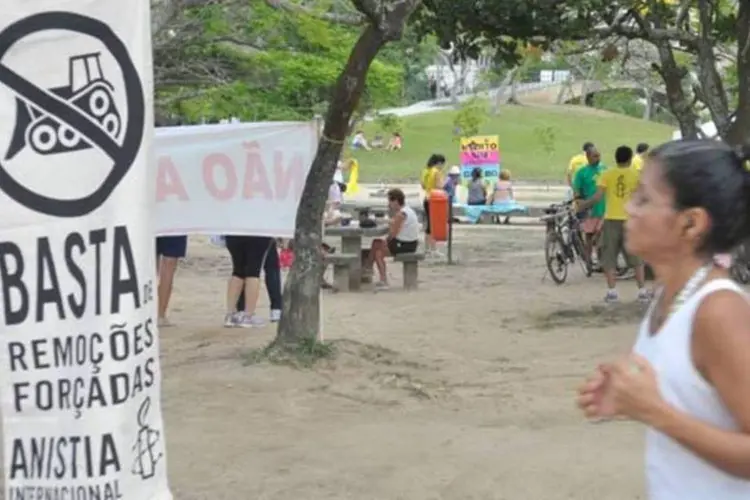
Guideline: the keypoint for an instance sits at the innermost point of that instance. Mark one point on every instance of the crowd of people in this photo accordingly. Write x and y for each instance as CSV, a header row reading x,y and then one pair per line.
x,y
676,207
602,196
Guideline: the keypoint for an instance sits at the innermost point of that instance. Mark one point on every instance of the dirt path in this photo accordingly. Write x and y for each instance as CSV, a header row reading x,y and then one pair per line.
x,y
462,390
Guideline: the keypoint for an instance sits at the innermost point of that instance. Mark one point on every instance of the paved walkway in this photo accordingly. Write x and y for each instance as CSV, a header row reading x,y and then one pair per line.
x,y
432,105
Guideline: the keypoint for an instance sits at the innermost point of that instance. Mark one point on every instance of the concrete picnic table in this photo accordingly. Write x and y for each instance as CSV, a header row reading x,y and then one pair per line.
x,y
351,243
377,208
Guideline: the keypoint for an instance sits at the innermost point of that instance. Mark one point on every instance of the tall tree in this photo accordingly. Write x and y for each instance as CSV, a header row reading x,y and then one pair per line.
x,y
715,34
383,22
697,43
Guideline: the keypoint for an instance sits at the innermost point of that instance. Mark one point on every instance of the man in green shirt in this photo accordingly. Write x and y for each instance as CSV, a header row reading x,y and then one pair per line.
x,y
585,188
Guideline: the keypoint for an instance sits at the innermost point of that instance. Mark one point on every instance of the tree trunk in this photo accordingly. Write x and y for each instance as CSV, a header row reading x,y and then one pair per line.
x,y
513,98
500,94
739,131
301,309
672,75
711,88
648,95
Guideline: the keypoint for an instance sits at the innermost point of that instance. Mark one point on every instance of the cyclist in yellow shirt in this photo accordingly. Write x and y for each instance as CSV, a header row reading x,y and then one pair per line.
x,y
640,150
578,161
431,179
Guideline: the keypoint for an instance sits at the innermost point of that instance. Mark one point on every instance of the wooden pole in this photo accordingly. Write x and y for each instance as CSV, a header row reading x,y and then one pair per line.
x,y
450,230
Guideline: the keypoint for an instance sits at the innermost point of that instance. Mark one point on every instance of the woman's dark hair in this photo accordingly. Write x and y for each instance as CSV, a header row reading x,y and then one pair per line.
x,y
623,155
436,159
587,146
641,148
711,175
397,195
476,173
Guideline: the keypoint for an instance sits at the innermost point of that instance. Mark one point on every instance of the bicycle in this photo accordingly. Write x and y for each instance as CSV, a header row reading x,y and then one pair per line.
x,y
563,243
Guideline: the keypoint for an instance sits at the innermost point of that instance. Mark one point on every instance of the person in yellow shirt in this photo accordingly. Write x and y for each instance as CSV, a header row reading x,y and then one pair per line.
x,y
640,150
352,185
616,186
431,179
578,161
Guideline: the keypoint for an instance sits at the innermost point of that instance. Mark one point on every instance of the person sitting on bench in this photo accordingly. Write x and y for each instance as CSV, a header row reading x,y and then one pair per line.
x,y
403,236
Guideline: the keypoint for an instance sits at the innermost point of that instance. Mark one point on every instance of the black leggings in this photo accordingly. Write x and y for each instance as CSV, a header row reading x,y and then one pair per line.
x,y
272,270
248,254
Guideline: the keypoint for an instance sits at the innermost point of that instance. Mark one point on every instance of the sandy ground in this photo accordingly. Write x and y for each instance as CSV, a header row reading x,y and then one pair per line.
x,y
461,390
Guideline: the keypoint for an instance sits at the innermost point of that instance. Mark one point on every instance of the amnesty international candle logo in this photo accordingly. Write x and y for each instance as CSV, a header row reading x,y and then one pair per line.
x,y
79,353
147,452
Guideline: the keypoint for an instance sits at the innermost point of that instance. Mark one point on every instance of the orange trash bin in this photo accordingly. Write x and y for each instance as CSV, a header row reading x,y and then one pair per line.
x,y
439,214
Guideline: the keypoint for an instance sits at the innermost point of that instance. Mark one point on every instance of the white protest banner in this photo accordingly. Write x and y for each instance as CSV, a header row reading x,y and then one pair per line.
x,y
79,357
244,178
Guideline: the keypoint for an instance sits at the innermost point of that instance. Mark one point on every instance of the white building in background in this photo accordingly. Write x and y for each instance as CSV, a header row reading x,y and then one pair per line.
x,y
462,77
554,75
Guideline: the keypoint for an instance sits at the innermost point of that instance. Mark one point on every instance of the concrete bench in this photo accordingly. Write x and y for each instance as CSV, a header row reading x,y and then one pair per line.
x,y
342,267
411,268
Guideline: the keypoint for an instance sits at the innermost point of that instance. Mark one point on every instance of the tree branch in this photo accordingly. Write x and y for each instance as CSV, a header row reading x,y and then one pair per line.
x,y
397,13
290,6
632,26
240,43
164,12
373,10
683,14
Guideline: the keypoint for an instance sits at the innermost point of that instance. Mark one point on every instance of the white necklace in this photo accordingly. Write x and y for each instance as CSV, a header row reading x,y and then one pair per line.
x,y
690,287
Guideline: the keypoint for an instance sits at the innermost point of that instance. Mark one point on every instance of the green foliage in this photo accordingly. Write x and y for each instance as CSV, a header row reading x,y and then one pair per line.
x,y
305,353
731,84
546,136
518,129
412,54
471,115
503,25
273,65
389,123
619,101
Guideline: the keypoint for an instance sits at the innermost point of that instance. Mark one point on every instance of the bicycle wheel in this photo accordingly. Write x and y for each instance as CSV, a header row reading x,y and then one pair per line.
x,y
581,254
554,253
739,270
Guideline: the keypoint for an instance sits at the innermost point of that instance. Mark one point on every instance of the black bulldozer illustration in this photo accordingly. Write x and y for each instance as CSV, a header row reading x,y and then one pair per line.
x,y
88,91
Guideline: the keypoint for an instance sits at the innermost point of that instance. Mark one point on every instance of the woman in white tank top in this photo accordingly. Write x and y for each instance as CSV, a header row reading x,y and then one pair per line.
x,y
688,379
403,236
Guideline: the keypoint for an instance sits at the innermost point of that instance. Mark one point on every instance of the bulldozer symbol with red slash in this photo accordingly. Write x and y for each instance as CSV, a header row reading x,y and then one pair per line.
x,y
88,91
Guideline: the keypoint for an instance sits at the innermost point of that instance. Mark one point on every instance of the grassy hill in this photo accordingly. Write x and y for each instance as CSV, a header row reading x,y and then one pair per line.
x,y
521,143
